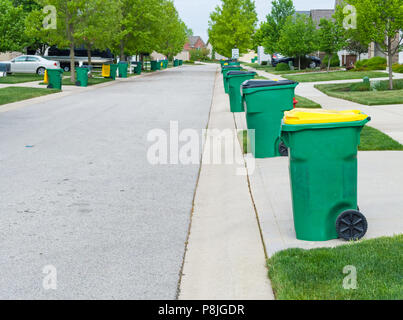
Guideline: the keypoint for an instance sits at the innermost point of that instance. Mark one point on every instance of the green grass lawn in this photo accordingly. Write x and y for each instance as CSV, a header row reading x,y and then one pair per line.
x,y
91,81
337,75
369,98
373,139
20,78
14,94
306,103
317,274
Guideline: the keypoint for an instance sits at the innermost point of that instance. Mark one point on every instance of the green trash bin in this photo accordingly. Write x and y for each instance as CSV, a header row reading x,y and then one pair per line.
x,y
154,65
180,62
82,77
114,68
265,102
235,80
55,77
166,64
176,63
234,63
137,67
122,67
224,71
323,173
225,62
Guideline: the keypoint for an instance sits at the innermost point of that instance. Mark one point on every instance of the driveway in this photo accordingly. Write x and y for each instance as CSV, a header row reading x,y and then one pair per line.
x,y
79,196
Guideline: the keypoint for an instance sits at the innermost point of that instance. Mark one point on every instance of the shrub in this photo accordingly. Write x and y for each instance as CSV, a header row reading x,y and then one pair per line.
x,y
397,68
282,67
264,63
334,62
384,85
360,86
375,63
199,55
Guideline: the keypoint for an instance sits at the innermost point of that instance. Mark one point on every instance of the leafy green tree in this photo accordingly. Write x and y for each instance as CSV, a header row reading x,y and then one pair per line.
x,y
381,21
69,17
332,38
174,36
355,42
298,37
27,5
12,25
98,25
34,31
140,27
257,38
270,30
189,31
232,25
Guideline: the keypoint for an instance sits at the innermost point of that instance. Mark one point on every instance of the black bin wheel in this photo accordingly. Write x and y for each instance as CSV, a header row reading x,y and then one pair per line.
x,y
78,83
50,86
351,225
283,149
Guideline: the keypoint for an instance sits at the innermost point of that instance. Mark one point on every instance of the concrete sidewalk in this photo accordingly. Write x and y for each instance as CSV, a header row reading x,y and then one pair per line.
x,y
225,258
380,182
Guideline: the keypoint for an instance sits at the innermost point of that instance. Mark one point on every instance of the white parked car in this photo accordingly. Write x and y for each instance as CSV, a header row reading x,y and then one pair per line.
x,y
32,64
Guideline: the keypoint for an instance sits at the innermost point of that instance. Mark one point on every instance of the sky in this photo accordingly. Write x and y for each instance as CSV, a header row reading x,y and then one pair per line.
x,y
196,13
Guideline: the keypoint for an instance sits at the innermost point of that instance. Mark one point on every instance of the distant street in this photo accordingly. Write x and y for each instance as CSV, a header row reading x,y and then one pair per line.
x,y
78,193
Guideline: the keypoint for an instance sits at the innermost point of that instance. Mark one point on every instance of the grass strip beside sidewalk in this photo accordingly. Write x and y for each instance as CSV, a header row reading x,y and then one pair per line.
x,y
14,94
336,75
20,78
317,274
371,140
369,98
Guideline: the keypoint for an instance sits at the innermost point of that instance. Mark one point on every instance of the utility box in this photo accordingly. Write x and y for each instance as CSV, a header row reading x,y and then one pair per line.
x,y
262,56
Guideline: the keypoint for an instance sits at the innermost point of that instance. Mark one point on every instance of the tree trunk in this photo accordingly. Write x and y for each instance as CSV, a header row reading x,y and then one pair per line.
x,y
72,64
328,63
122,51
390,57
299,62
89,60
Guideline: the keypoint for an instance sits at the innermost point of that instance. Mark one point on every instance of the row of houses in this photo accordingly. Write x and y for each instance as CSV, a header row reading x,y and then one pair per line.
x,y
348,58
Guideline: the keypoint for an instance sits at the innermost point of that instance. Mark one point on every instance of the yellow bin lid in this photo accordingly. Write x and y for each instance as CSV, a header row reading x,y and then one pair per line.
x,y
312,116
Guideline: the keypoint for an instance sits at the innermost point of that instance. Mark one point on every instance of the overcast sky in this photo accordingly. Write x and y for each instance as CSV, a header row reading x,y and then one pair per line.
x,y
196,13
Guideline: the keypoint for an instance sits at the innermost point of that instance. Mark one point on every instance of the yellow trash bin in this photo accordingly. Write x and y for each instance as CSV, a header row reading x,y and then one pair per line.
x,y
46,78
106,70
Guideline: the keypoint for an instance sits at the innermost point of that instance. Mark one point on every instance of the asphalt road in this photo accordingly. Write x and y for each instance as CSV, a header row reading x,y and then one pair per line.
x,y
78,193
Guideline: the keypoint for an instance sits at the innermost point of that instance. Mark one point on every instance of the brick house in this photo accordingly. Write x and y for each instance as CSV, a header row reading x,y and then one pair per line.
x,y
194,42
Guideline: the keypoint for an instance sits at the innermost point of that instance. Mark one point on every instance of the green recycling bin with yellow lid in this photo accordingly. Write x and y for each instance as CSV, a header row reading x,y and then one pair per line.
x,y
323,147
224,72
235,80
265,102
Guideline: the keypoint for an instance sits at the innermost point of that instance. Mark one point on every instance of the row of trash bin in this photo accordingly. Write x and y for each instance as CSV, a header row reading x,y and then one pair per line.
x,y
321,145
53,77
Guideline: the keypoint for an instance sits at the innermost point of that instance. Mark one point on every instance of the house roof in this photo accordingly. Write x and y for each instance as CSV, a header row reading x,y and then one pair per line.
x,y
317,14
193,40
